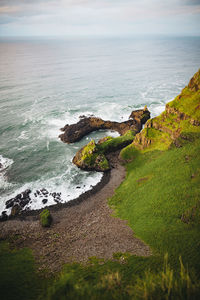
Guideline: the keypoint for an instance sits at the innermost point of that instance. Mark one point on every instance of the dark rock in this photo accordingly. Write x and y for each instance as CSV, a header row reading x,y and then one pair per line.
x,y
44,201
10,203
4,216
75,132
140,115
25,194
24,202
44,191
1,166
21,199
78,187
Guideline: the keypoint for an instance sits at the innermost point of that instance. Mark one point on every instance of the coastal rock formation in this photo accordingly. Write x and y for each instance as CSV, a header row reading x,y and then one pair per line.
x,y
180,119
75,132
17,203
93,156
89,158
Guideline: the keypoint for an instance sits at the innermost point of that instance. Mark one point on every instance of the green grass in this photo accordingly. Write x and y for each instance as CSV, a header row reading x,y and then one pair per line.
x,y
18,278
93,155
106,281
119,142
45,218
154,208
160,199
188,103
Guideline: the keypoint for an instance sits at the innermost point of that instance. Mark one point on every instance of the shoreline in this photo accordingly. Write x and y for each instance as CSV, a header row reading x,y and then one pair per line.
x,y
79,230
73,202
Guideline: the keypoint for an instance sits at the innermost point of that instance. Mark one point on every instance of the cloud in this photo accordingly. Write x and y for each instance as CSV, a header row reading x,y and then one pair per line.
x,y
87,17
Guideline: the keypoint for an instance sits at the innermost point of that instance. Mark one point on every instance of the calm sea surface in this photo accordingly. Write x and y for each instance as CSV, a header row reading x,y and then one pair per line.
x,y
45,84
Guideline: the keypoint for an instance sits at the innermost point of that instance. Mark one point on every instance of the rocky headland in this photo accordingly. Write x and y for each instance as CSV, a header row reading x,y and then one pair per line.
x,y
93,155
179,122
75,132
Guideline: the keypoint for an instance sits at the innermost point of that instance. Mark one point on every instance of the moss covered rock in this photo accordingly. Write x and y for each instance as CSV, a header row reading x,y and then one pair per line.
x,y
45,218
89,158
93,156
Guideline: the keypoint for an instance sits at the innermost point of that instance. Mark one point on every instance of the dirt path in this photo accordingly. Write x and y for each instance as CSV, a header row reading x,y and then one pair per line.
x,y
78,232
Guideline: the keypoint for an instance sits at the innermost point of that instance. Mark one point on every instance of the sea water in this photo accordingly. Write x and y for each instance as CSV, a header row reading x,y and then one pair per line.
x,y
48,83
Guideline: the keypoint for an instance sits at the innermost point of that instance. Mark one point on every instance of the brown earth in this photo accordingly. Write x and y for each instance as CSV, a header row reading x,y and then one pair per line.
x,y
79,231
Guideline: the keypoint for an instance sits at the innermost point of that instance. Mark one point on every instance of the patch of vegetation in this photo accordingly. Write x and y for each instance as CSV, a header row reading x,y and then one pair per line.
x,y
45,218
97,282
117,143
154,208
188,103
18,278
128,153
192,215
92,156
164,285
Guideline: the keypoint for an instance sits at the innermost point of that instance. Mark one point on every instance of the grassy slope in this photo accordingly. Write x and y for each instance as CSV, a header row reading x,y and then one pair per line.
x,y
158,189
163,182
162,185
18,278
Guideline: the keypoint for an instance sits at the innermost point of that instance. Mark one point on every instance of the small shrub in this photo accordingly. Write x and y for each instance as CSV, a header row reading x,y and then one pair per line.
x,y
45,218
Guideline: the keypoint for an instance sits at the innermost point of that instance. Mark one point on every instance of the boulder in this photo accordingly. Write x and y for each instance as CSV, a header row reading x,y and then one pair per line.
x,y
21,199
4,216
93,156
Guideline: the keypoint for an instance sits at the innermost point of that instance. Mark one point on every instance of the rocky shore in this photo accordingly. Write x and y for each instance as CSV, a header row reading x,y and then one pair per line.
x,y
81,229
75,132
93,156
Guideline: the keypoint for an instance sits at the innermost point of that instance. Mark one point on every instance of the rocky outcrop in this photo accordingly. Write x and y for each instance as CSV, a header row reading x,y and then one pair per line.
x,y
180,118
89,158
93,156
75,132
19,202
194,84
141,115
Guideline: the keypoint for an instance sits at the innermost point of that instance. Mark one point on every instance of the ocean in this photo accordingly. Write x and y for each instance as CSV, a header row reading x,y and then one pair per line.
x,y
48,83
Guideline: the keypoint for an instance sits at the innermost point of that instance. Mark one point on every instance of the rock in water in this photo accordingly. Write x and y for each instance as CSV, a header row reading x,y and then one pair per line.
x,y
21,200
75,132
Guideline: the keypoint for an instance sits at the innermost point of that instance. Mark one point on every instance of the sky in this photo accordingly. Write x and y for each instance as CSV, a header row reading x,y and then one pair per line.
x,y
75,18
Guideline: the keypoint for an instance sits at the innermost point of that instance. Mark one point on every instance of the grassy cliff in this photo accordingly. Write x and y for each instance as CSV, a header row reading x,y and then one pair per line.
x,y
178,123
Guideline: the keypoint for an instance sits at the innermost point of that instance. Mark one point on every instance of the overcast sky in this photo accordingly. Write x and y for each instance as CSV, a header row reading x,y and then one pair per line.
x,y
99,17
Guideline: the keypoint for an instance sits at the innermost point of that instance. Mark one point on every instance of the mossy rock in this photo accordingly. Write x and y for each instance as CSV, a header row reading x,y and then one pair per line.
x,y
92,157
45,218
